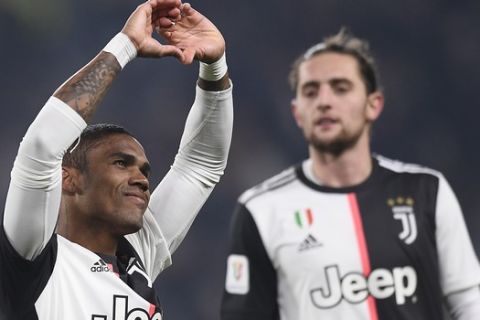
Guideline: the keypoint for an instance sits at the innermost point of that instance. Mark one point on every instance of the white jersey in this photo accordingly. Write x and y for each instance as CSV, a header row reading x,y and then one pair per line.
x,y
44,276
390,248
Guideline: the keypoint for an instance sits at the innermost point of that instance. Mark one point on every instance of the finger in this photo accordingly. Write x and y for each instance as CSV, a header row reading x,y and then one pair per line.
x,y
155,49
164,4
189,55
164,23
145,7
174,13
187,9
171,12
172,51
164,26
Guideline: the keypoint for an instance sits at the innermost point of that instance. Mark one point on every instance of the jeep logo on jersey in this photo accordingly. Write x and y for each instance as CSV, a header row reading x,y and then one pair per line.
x,y
403,211
354,287
121,312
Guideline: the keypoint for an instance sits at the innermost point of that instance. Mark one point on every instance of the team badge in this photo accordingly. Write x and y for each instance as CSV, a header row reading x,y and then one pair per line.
x,y
402,209
238,274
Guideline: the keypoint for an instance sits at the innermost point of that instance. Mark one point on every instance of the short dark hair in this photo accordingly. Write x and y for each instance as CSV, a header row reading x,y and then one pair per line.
x,y
344,42
76,154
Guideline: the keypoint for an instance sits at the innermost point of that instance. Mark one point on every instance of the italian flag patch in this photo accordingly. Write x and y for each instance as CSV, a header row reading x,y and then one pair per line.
x,y
304,218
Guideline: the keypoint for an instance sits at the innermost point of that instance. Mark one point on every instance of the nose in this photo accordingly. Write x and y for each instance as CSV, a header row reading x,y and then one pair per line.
x,y
140,180
324,99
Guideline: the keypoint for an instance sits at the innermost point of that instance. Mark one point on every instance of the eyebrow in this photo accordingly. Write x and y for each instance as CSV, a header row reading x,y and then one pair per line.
x,y
311,83
340,81
145,168
334,81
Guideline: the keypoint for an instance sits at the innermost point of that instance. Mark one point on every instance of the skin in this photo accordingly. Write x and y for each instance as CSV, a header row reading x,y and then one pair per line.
x,y
335,113
94,213
109,199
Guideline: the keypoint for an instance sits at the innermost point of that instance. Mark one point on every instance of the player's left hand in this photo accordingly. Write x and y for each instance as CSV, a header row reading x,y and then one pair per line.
x,y
196,36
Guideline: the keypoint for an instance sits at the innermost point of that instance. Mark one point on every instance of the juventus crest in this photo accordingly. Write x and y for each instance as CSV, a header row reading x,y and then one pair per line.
x,y
402,209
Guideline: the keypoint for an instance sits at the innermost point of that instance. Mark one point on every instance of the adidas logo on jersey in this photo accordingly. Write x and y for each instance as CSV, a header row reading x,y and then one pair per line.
x,y
120,312
100,266
310,242
354,287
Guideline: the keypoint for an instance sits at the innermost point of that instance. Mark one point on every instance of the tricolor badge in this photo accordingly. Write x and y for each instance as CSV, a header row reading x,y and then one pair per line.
x,y
238,274
304,218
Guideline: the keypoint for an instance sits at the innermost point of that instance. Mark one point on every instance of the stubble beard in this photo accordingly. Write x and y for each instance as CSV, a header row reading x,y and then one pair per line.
x,y
336,146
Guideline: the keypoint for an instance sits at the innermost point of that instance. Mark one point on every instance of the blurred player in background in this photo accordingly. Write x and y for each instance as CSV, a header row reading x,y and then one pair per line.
x,y
347,234
81,237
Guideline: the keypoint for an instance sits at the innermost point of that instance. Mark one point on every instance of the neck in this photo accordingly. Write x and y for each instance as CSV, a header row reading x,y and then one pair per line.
x,y
349,168
88,236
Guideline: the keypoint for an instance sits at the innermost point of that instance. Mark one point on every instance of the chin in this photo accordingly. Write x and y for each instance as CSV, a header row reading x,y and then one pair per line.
x,y
131,229
334,147
131,226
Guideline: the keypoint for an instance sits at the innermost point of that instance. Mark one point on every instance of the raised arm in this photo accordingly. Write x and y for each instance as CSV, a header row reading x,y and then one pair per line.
x,y
33,199
203,151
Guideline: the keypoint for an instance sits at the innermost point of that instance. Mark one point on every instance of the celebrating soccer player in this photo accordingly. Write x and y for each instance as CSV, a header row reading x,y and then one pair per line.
x,y
82,237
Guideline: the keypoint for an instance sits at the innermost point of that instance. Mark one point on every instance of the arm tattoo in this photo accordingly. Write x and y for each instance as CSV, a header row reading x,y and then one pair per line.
x,y
87,88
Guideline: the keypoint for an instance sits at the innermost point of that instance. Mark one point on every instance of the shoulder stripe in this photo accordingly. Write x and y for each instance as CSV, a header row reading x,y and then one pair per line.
x,y
399,166
277,181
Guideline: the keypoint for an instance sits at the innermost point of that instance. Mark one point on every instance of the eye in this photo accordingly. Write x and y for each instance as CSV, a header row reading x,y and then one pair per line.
x,y
341,87
309,92
120,163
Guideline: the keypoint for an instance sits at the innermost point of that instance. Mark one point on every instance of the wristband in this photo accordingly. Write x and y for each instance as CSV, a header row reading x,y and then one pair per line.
x,y
122,48
214,71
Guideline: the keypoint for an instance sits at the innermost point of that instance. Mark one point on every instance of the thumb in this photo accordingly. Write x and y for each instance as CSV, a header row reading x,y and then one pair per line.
x,y
189,54
153,48
167,50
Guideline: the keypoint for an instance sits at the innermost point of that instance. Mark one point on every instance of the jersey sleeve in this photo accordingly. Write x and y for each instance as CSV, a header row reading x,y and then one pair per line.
x,y
251,280
459,267
22,280
33,198
464,304
198,166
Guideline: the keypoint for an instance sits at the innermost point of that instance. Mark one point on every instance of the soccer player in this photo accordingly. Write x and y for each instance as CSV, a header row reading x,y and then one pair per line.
x,y
347,234
82,238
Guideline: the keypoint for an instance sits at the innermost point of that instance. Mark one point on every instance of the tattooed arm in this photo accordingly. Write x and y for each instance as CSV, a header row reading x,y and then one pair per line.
x,y
33,199
87,88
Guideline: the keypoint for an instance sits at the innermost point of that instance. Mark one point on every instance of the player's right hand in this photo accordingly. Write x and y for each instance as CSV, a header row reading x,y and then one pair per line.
x,y
143,21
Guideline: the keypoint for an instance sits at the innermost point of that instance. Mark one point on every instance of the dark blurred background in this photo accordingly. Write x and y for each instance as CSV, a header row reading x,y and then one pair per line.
x,y
428,55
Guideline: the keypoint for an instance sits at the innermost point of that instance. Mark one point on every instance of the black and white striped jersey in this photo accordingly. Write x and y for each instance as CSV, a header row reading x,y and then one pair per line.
x,y
391,247
44,276
68,281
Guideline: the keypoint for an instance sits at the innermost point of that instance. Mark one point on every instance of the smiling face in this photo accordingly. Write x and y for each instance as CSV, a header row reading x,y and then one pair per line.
x,y
332,106
113,192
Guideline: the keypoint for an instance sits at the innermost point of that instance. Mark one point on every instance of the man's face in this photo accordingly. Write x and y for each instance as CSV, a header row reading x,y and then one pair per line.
x,y
331,105
115,189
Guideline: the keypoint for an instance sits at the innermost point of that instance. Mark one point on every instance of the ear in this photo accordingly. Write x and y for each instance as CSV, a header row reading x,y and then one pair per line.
x,y
296,113
375,103
71,182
